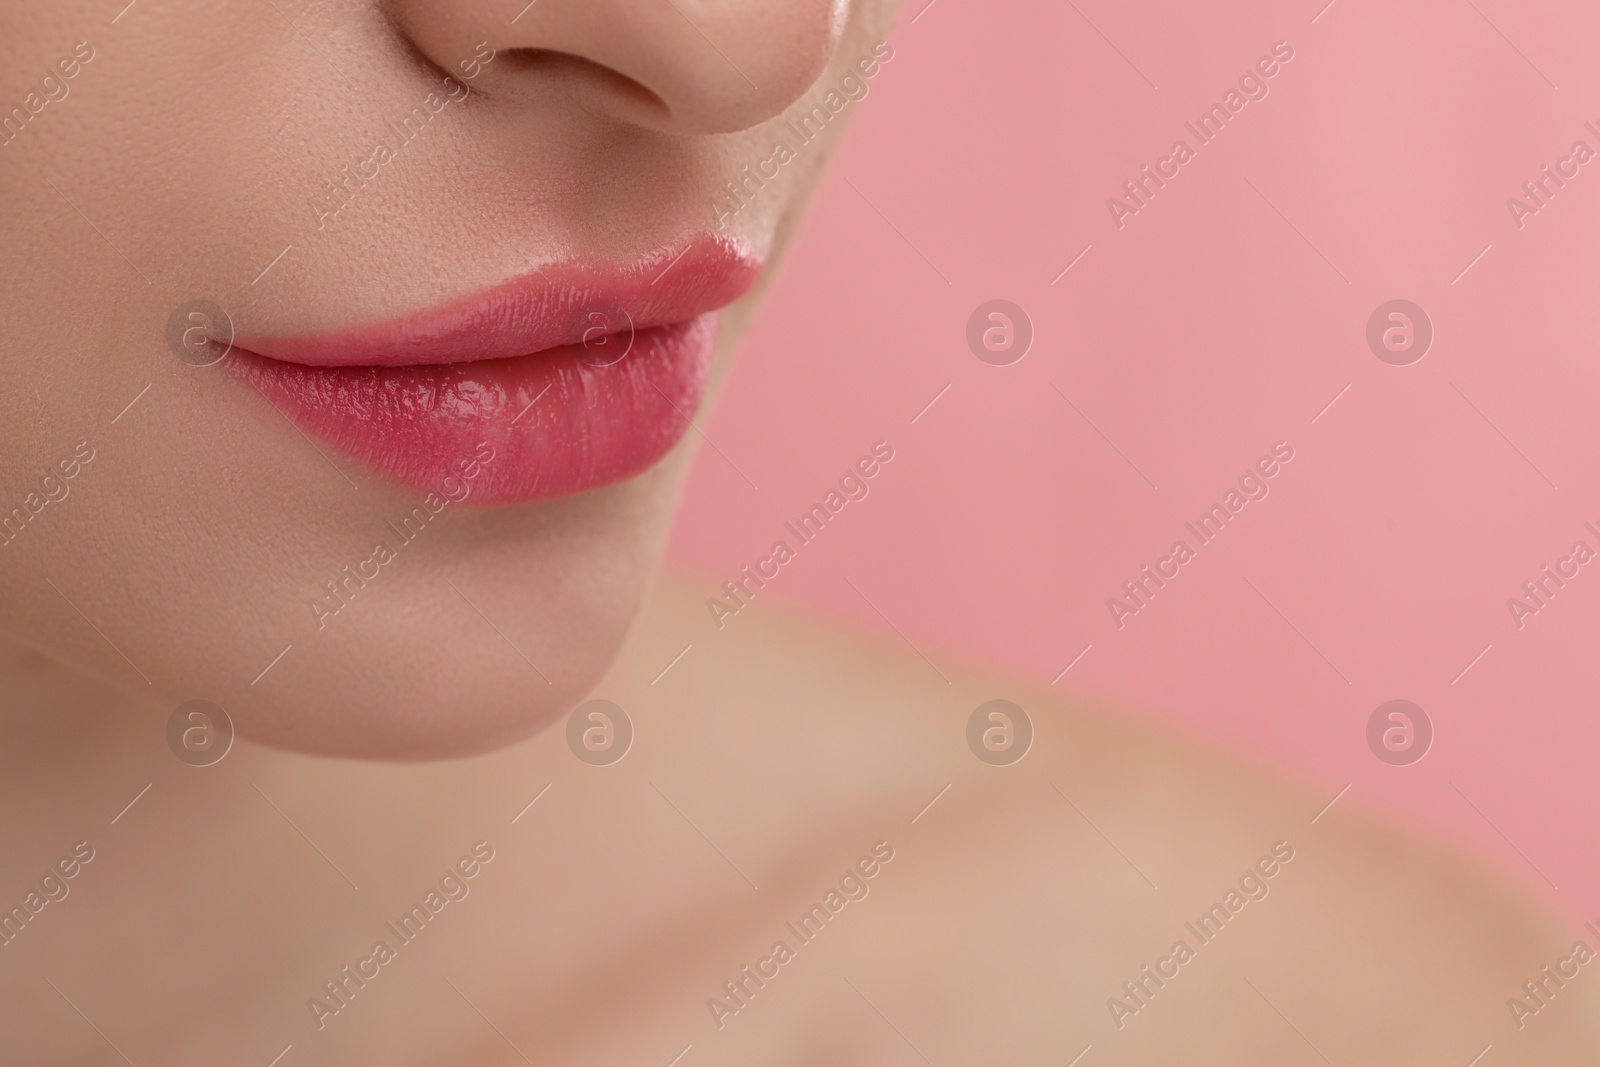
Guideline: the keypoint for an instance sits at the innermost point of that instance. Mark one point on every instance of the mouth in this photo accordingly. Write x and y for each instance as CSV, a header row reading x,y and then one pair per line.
x,y
578,376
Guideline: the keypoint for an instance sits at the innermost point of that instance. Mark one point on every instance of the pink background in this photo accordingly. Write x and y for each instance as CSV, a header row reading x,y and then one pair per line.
x,y
1194,338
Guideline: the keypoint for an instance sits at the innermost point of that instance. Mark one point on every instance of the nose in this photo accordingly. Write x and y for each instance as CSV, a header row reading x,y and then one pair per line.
x,y
675,66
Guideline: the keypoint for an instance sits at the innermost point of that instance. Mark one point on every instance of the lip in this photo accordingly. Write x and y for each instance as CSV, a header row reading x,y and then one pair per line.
x,y
578,376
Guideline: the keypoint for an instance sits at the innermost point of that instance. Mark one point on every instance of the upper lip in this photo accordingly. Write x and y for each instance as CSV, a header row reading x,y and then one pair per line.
x,y
529,313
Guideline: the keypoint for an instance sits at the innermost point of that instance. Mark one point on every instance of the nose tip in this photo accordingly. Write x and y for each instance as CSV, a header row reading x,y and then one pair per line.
x,y
675,66
733,64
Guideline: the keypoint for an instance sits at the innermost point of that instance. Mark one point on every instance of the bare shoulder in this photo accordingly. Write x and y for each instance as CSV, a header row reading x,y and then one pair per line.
x,y
1125,888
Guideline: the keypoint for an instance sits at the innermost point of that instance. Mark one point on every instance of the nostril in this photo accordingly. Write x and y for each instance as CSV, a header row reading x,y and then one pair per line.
x,y
567,69
679,67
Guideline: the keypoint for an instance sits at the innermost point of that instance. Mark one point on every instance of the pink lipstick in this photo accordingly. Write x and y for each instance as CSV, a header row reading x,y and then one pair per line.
x,y
577,376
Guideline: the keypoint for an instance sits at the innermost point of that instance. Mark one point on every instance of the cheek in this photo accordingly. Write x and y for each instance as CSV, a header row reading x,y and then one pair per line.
x,y
406,667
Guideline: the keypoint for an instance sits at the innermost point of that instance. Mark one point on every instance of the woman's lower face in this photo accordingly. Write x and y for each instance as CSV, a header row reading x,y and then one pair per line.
x,y
354,352
353,356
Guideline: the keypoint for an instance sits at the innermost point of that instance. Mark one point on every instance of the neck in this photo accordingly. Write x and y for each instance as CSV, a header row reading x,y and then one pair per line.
x,y
55,716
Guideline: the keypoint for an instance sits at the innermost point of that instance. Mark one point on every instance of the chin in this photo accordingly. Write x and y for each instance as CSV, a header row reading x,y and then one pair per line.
x,y
489,626
466,702
508,623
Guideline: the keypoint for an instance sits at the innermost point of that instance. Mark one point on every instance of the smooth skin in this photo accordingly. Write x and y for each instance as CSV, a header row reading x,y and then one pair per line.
x,y
205,525
764,765
219,900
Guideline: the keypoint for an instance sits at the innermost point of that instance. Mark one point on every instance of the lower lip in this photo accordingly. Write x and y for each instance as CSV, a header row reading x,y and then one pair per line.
x,y
502,432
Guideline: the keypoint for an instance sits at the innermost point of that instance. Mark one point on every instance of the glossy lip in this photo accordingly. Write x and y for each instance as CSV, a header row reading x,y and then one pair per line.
x,y
580,375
